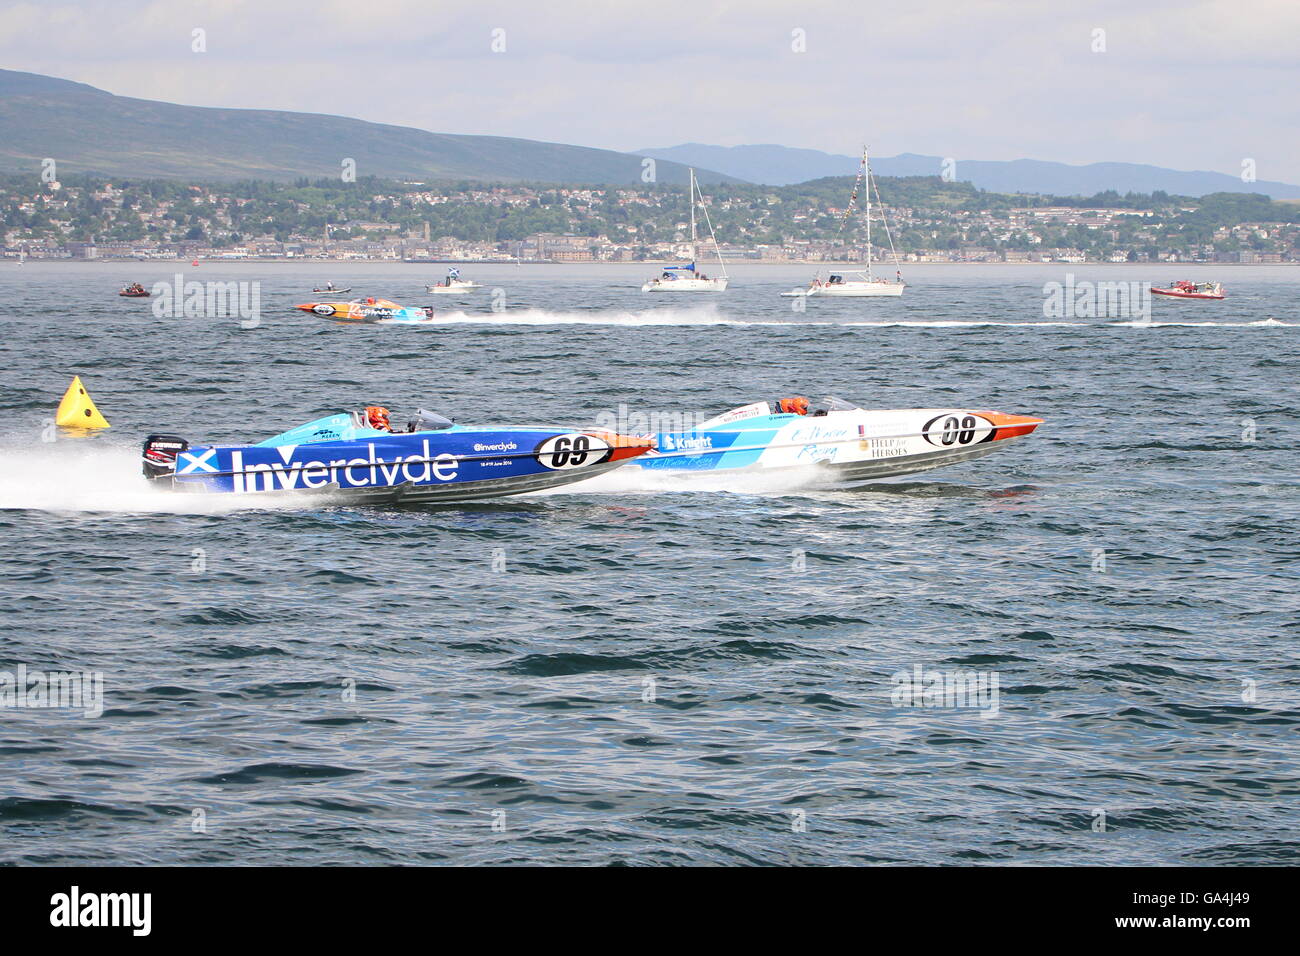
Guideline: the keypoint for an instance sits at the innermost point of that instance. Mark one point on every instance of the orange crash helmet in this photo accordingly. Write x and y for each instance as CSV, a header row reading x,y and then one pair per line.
x,y
377,416
794,406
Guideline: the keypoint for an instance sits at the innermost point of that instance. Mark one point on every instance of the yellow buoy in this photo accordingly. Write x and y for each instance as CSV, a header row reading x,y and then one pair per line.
x,y
77,410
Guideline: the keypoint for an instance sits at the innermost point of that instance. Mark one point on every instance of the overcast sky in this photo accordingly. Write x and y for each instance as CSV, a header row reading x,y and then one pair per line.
x,y
1188,85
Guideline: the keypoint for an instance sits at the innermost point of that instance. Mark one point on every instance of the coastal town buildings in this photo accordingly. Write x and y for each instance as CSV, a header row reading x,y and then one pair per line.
x,y
420,222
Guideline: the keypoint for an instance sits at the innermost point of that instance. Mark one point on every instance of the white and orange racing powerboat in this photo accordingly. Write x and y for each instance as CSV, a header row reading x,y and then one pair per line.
x,y
846,443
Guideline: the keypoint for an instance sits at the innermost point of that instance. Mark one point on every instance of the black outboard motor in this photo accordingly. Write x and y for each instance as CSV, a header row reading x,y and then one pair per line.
x,y
426,421
159,456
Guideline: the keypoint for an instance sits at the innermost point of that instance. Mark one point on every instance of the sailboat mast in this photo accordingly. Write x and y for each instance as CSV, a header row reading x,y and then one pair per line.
x,y
694,244
866,185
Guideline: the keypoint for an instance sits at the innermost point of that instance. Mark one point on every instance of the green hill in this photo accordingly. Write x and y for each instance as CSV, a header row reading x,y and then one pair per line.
x,y
87,130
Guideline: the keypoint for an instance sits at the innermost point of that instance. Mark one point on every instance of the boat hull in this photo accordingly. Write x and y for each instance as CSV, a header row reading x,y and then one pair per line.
x,y
859,290
1174,294
456,288
364,313
685,285
848,447
455,464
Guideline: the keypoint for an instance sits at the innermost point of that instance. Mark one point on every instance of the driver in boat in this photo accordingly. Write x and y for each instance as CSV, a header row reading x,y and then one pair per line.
x,y
377,418
790,406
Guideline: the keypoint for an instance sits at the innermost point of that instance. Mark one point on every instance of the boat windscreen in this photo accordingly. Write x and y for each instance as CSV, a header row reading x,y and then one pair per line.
x,y
832,404
426,421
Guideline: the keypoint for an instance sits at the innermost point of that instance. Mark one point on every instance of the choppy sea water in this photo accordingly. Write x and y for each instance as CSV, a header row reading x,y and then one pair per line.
x,y
636,671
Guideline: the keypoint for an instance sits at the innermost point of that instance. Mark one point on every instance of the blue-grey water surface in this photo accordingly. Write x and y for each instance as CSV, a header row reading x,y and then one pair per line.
x,y
637,672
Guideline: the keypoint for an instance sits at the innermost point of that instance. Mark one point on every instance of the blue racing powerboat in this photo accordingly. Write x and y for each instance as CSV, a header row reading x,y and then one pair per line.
x,y
360,457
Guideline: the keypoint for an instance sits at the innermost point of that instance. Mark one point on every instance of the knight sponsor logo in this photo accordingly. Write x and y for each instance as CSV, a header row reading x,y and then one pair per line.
x,y
289,474
685,442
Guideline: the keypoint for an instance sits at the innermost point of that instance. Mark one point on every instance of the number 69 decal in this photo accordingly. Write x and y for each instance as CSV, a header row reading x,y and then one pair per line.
x,y
572,451
958,428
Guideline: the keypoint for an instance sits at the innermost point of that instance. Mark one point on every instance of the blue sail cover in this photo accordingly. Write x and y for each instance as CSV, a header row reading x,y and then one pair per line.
x,y
690,268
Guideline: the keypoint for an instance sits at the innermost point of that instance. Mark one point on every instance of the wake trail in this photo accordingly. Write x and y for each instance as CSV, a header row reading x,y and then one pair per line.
x,y
706,317
85,475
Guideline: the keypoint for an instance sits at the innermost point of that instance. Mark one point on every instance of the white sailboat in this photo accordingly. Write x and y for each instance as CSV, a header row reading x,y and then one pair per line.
x,y
860,282
453,284
689,278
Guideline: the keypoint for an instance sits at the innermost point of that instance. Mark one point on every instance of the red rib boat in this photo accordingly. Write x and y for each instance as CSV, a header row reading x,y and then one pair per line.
x,y
1182,289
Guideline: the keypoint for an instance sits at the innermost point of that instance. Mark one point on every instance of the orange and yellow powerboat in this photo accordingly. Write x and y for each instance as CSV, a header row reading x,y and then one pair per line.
x,y
368,311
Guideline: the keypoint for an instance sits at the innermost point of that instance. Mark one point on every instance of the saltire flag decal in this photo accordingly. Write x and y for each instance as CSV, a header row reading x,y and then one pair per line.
x,y
192,463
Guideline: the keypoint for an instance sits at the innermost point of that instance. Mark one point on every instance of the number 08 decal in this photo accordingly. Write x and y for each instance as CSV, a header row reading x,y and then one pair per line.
x,y
958,428
572,451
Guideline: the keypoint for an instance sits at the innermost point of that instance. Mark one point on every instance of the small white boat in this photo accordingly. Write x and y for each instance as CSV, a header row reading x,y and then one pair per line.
x,y
859,283
689,278
684,279
453,284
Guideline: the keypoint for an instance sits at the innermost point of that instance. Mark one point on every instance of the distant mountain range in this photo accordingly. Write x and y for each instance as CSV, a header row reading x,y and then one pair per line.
x,y
782,165
87,130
